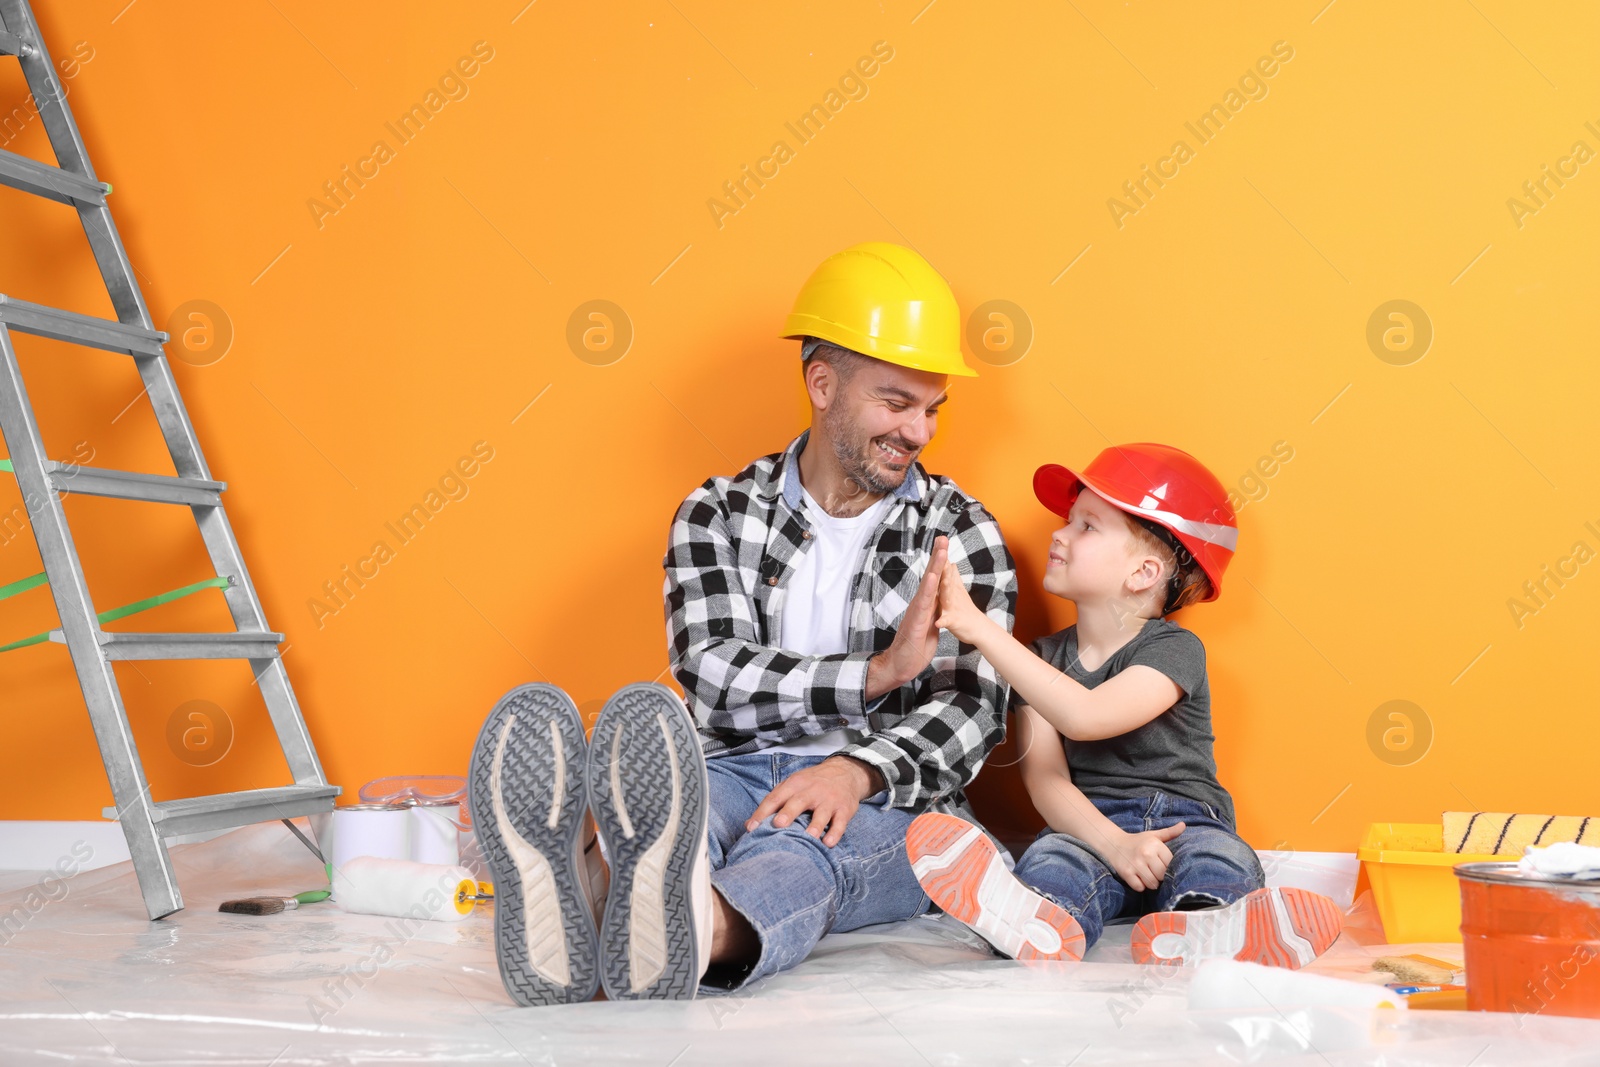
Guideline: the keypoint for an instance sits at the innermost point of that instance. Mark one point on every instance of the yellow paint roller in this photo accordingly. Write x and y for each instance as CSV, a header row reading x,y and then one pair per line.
x,y
1499,833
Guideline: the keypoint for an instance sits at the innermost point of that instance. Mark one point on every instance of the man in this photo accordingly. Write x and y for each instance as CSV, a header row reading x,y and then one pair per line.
x,y
828,709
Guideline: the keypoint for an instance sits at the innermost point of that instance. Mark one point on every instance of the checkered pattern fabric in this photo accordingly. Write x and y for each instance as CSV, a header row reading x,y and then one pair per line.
x,y
735,541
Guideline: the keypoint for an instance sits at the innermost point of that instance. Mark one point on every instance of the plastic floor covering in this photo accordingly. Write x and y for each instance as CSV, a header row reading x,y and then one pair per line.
x,y
85,978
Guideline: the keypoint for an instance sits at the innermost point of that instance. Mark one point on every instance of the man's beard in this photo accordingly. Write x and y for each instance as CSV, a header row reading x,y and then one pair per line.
x,y
857,459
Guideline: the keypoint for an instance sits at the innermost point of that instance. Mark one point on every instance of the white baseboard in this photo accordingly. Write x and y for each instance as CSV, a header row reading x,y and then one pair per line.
x,y
38,844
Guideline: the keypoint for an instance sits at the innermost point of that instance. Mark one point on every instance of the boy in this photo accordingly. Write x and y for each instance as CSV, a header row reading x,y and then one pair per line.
x,y
1114,723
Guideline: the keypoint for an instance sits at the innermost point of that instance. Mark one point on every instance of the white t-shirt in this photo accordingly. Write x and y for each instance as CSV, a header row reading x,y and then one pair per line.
x,y
816,608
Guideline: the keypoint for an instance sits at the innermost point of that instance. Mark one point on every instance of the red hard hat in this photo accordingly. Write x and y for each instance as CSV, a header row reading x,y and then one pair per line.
x,y
1161,484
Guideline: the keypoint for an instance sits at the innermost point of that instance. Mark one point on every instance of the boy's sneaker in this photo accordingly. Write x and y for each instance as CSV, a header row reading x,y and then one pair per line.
x,y
526,794
1276,927
649,795
962,872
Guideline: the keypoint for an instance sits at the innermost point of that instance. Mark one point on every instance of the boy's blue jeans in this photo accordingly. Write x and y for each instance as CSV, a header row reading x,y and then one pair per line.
x,y
790,886
1210,864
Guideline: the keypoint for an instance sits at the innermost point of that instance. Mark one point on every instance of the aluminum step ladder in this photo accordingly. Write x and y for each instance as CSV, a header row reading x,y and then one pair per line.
x,y
146,823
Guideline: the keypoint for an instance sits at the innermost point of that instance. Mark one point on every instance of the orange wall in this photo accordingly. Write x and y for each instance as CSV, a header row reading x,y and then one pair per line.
x,y
1224,315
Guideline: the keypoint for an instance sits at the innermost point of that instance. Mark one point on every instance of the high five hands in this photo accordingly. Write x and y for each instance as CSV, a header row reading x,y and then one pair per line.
x,y
917,637
940,603
957,612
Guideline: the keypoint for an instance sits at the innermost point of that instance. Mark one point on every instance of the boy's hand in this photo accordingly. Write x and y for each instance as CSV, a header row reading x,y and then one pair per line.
x,y
957,612
1141,859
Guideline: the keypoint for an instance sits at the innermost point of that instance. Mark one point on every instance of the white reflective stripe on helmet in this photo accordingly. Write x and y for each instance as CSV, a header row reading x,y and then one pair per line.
x,y
1211,533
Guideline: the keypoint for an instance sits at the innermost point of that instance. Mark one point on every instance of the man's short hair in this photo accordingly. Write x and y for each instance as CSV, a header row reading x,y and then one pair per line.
x,y
842,360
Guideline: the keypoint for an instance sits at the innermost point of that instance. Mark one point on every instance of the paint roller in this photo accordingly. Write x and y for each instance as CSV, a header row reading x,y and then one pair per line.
x,y
1499,833
370,885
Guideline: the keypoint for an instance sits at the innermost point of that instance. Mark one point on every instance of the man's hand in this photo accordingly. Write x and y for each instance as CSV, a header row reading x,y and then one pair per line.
x,y
1142,859
917,637
831,791
957,612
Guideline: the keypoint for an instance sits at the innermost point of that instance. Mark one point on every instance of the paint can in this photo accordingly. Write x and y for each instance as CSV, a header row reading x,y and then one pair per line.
x,y
381,830
436,832
1531,941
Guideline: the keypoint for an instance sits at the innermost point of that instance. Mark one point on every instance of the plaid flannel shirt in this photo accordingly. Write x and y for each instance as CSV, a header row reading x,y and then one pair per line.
x,y
734,543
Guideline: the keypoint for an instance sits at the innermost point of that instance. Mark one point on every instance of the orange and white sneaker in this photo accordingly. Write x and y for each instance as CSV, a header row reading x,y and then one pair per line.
x,y
1274,927
962,872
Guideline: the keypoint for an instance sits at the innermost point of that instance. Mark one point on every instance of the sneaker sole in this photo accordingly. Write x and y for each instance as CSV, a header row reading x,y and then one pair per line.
x,y
1274,927
648,793
962,872
526,794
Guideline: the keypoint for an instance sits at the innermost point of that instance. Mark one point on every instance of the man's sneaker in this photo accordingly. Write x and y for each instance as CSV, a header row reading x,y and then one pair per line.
x,y
649,795
525,789
1276,927
962,872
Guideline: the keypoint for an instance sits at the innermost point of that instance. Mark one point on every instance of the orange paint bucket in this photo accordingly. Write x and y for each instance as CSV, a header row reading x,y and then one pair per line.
x,y
1531,941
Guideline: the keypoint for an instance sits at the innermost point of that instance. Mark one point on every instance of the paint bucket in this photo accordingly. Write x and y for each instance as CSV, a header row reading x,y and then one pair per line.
x,y
381,830
1531,941
436,832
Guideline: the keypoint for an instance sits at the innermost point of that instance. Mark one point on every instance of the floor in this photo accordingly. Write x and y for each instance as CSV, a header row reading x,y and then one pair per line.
x,y
85,978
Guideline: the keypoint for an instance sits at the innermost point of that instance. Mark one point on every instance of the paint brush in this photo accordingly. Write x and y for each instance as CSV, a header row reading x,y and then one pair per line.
x,y
272,905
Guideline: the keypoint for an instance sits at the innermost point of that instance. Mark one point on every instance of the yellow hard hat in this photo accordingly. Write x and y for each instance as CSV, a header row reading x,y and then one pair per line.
x,y
884,301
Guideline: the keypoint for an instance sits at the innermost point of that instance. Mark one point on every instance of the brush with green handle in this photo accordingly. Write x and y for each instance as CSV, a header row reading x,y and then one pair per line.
x,y
273,905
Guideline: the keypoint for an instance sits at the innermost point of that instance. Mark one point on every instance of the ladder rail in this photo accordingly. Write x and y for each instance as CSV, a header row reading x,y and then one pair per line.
x,y
272,677
130,788
176,427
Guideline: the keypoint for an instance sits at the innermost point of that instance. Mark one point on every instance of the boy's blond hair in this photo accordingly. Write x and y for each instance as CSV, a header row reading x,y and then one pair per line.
x,y
1186,582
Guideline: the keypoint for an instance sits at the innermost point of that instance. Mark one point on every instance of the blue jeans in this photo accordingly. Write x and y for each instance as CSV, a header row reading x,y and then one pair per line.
x,y
1210,864
790,886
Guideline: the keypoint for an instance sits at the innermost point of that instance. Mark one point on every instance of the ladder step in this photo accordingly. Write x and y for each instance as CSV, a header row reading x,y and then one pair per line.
x,y
12,45
79,329
185,646
41,179
193,814
132,485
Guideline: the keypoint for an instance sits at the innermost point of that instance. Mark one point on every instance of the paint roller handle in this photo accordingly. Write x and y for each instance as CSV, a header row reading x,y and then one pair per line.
x,y
485,892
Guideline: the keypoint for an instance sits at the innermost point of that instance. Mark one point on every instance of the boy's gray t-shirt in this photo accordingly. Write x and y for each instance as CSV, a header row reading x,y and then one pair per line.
x,y
1171,753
